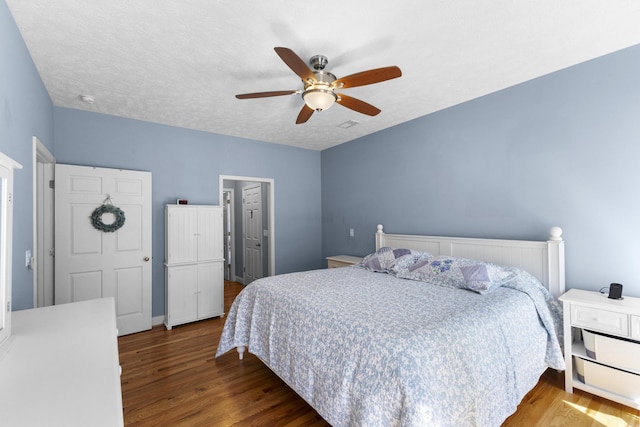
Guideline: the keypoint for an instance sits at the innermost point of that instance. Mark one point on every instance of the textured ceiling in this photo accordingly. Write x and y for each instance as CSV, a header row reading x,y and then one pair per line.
x,y
180,63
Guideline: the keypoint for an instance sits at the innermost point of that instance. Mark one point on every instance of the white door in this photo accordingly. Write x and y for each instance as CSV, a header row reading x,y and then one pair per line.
x,y
90,263
252,232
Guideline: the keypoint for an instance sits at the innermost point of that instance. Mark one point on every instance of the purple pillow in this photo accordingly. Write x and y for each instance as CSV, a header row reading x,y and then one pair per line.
x,y
385,258
484,278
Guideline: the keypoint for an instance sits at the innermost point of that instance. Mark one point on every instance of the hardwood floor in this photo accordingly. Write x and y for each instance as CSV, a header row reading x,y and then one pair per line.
x,y
171,378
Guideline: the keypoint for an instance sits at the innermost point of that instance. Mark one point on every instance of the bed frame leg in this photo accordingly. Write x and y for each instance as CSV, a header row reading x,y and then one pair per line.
x,y
241,352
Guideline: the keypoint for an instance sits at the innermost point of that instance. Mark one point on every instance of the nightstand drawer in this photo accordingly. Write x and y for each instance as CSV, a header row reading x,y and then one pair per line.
x,y
635,327
600,320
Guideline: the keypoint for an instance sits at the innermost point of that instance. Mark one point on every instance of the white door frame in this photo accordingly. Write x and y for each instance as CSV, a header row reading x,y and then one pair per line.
x,y
271,237
44,214
231,224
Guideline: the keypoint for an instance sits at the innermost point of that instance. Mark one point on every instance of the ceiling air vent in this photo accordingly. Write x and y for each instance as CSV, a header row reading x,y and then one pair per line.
x,y
348,124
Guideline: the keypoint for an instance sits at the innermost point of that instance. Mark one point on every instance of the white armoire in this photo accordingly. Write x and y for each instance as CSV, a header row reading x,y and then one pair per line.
x,y
194,263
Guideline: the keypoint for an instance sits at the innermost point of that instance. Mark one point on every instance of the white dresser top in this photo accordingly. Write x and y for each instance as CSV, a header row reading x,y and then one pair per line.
x,y
60,367
596,299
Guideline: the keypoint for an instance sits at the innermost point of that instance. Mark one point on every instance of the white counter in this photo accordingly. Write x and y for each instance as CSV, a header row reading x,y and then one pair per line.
x,y
61,367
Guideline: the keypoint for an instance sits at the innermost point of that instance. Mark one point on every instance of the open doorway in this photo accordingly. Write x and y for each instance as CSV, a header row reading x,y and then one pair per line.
x,y
266,233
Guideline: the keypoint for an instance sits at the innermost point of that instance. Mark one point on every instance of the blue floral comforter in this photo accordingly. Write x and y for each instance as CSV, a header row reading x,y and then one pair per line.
x,y
372,349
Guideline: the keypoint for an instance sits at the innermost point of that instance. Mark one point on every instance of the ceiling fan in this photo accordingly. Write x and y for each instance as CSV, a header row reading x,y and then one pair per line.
x,y
320,86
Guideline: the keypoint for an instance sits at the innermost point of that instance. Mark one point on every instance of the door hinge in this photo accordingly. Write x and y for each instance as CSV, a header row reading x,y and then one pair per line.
x,y
52,183
52,252
8,306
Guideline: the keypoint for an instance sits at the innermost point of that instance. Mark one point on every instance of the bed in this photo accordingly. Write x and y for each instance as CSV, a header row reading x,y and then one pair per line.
x,y
427,330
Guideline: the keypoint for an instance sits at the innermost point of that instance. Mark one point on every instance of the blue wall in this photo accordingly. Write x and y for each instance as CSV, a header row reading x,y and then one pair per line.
x,y
559,150
25,111
187,164
184,163
563,149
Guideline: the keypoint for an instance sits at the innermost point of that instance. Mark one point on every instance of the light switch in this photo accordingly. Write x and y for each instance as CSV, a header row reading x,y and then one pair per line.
x,y
351,233
27,258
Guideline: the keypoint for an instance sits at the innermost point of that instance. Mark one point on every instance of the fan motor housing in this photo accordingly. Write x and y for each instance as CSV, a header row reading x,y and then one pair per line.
x,y
318,62
322,77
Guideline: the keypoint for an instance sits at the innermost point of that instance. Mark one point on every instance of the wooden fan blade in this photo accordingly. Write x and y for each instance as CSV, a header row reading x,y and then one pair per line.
x,y
376,75
357,105
304,114
294,62
265,94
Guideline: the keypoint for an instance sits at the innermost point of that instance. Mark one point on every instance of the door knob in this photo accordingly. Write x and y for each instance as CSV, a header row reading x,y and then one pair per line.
x,y
146,258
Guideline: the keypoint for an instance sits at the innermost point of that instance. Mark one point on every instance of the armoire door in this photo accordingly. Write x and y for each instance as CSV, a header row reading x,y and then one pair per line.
x,y
210,234
210,289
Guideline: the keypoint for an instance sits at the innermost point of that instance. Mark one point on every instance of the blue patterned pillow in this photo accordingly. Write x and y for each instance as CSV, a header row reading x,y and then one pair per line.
x,y
386,258
406,262
455,272
439,270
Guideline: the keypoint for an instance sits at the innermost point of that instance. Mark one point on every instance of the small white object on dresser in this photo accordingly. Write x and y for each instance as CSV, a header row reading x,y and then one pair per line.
x,y
602,345
194,263
342,261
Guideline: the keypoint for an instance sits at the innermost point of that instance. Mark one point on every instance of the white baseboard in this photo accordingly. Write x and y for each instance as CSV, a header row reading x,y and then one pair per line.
x,y
158,320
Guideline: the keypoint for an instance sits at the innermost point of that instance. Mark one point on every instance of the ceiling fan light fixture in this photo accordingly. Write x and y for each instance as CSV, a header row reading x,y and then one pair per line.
x,y
320,86
319,99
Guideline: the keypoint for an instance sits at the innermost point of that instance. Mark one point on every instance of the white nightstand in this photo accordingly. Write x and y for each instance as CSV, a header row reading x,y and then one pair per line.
x,y
601,345
342,261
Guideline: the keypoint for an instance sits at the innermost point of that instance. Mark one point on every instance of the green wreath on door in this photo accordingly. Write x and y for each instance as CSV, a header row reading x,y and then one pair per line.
x,y
107,207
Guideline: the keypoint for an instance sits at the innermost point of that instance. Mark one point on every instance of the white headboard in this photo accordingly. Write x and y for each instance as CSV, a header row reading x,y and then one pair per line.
x,y
545,260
